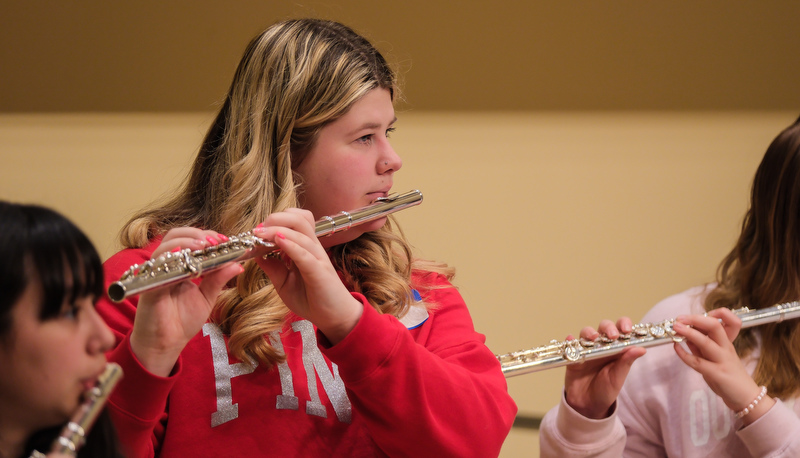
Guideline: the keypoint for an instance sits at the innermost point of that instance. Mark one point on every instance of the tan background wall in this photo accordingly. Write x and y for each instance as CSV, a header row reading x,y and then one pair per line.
x,y
579,160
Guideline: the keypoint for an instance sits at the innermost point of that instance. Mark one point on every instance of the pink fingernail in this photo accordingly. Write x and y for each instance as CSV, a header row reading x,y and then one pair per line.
x,y
287,261
279,235
211,240
177,249
260,225
223,237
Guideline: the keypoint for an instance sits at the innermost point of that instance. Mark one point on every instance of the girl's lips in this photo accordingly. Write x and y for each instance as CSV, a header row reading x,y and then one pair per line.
x,y
91,382
376,194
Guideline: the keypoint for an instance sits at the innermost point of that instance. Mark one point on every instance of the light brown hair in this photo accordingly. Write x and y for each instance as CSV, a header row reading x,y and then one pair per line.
x,y
294,78
763,268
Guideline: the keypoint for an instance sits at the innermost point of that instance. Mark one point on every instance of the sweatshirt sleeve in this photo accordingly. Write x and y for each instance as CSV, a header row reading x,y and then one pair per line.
x,y
565,432
775,434
138,403
434,390
138,406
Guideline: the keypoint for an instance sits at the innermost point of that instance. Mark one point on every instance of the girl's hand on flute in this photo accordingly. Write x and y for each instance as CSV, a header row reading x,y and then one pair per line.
x,y
167,318
709,339
304,277
592,387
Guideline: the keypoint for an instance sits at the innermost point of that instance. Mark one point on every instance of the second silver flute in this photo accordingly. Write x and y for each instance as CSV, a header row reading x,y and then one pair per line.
x,y
174,267
557,354
74,434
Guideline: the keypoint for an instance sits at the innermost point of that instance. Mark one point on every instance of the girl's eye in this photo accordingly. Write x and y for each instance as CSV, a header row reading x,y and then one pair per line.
x,y
70,312
369,138
366,139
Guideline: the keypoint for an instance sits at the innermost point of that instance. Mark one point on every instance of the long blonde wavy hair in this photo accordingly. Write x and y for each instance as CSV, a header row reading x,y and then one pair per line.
x,y
763,269
294,78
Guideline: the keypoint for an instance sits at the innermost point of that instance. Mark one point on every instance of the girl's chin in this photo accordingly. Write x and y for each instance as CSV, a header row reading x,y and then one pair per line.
x,y
59,415
73,403
72,407
372,225
352,233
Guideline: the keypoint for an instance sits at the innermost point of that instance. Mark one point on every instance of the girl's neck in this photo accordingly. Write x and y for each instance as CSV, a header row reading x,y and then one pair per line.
x,y
12,440
16,429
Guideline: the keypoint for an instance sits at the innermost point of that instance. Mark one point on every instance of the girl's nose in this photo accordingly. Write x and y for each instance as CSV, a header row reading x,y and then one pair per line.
x,y
390,160
101,338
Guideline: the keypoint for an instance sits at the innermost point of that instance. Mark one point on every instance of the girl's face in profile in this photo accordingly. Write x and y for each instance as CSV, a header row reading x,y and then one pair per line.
x,y
48,365
351,163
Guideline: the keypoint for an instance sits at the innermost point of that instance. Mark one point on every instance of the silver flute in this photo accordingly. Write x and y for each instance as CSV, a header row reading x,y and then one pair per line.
x,y
174,267
562,353
73,436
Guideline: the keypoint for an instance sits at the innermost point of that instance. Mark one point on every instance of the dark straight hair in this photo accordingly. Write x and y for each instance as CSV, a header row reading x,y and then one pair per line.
x,y
35,240
38,241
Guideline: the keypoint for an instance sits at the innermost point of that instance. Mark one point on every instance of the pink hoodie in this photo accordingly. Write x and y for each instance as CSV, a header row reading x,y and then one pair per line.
x,y
667,409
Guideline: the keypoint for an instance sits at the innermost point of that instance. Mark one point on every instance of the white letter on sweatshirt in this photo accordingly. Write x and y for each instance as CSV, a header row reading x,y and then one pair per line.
x,y
314,363
224,371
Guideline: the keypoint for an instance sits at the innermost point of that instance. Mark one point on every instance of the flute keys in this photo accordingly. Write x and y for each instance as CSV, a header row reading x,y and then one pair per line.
x,y
671,331
640,330
657,331
572,350
603,339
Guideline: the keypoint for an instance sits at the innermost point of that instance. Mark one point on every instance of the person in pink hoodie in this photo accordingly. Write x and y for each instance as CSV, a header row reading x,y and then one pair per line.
x,y
727,391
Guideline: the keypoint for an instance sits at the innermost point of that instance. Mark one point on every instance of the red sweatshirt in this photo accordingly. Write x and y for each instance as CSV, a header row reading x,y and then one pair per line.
x,y
428,388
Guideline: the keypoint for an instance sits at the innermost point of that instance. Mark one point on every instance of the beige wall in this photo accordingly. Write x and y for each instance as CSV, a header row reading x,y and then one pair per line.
x,y
553,221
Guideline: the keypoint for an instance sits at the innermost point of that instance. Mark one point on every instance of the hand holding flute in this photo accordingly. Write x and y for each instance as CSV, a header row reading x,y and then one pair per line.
x,y
592,388
304,277
170,313
167,318
702,342
709,339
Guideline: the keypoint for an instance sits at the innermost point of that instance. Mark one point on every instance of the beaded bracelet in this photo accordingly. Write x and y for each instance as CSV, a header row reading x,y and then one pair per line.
x,y
753,404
